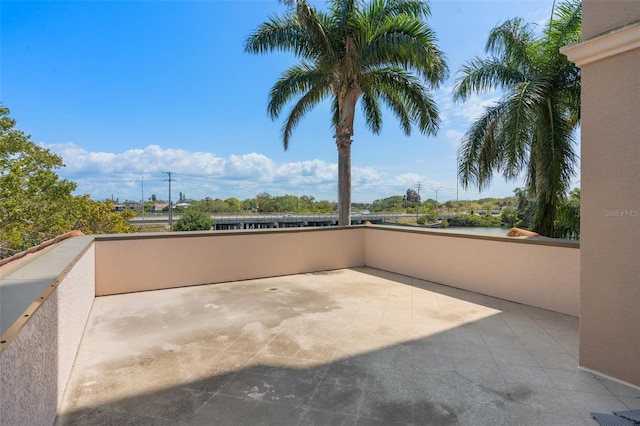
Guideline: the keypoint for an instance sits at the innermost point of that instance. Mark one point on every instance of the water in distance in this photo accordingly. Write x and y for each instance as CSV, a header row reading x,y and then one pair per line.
x,y
476,229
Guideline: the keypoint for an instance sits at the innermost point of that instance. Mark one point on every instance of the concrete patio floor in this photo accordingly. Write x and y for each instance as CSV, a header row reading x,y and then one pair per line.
x,y
355,346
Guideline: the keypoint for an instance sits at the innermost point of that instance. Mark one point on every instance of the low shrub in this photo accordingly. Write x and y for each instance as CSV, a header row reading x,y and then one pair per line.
x,y
475,221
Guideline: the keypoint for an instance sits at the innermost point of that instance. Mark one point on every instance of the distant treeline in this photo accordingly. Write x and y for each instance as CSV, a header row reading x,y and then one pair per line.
x,y
267,203
507,212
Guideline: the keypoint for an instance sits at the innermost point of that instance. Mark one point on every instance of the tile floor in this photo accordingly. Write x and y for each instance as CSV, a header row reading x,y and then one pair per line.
x,y
348,347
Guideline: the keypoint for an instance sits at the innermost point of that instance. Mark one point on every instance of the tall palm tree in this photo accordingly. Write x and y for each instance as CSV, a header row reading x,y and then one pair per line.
x,y
531,129
382,52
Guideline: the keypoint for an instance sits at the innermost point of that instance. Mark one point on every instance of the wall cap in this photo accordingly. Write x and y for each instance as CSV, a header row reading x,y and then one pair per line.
x,y
541,241
27,287
603,46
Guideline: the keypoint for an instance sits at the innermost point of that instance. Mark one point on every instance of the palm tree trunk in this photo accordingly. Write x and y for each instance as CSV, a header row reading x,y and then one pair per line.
x,y
344,130
344,182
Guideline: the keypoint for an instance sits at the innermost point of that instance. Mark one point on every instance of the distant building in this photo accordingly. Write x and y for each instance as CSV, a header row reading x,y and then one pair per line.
x,y
120,207
159,207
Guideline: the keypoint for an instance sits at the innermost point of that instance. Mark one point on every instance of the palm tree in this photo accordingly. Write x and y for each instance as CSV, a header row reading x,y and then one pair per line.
x,y
531,129
382,53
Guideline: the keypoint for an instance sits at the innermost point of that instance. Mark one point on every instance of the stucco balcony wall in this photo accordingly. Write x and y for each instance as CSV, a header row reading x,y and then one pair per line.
x,y
38,349
534,271
539,272
139,262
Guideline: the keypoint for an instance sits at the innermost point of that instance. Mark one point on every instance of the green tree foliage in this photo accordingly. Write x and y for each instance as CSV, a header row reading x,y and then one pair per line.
x,y
390,204
265,203
194,219
96,217
35,203
430,204
429,216
234,204
526,205
31,193
486,221
567,224
287,203
324,206
509,218
380,52
307,203
249,205
412,197
531,129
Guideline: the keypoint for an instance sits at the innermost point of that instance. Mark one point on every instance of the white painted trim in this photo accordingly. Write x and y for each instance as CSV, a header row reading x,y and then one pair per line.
x,y
604,46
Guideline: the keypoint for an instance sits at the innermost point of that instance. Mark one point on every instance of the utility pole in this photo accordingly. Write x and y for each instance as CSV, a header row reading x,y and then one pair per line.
x,y
142,202
457,179
170,209
419,185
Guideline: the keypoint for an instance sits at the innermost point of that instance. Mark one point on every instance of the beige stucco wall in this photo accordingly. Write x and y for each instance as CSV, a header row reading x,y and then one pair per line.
x,y
601,16
135,263
610,212
497,266
36,360
546,276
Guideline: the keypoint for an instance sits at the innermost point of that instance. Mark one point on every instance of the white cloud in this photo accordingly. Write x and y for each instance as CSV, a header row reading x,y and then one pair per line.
x,y
128,174
468,110
453,137
151,159
307,172
248,166
474,107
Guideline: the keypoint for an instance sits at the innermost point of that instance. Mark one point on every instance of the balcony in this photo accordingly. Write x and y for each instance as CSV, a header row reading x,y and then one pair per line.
x,y
358,325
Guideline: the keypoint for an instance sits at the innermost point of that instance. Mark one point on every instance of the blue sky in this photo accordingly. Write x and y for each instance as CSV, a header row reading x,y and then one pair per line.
x,y
127,90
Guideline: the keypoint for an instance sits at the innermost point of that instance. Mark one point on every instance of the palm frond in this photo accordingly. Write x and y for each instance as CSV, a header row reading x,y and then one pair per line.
x,y
510,41
295,81
531,128
565,26
372,111
305,104
407,43
379,10
277,34
405,95
317,29
485,75
476,159
306,34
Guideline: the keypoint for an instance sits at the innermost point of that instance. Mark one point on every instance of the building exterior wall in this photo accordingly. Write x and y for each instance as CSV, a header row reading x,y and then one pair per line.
x,y
37,357
529,272
609,58
601,16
